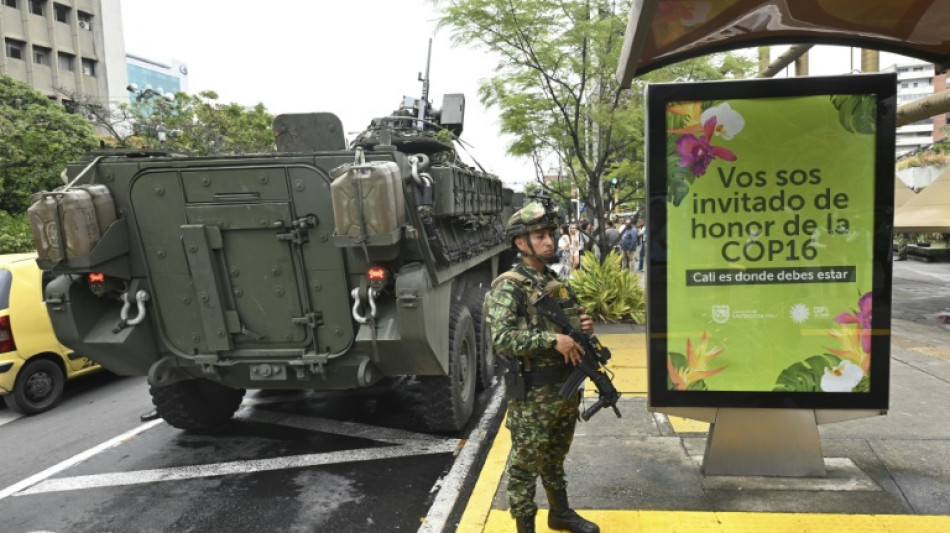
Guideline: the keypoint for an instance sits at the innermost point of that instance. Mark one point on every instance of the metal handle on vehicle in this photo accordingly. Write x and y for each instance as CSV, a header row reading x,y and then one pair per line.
x,y
140,298
355,294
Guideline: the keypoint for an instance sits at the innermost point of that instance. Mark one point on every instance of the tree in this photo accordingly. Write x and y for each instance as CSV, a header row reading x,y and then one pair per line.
x,y
114,119
195,124
557,93
37,138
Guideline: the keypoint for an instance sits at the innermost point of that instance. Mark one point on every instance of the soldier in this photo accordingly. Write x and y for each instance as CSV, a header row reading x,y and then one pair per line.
x,y
539,360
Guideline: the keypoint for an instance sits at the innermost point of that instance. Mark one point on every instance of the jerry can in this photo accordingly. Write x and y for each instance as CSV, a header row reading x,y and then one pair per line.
x,y
376,189
76,207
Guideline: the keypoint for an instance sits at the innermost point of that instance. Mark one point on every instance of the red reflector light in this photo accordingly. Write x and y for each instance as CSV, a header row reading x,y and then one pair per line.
x,y
6,335
376,274
97,277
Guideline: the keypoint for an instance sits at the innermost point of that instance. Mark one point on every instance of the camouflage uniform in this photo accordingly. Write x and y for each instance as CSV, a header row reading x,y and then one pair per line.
x,y
541,424
901,246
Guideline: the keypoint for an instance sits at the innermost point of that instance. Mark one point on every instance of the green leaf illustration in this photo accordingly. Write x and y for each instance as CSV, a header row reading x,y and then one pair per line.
x,y
863,386
857,113
805,376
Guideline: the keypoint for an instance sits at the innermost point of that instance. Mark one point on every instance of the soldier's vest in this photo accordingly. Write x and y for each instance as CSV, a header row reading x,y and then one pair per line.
x,y
528,317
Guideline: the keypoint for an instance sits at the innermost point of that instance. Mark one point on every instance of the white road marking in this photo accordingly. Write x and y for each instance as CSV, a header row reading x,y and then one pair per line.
x,y
76,459
451,484
240,467
8,416
336,427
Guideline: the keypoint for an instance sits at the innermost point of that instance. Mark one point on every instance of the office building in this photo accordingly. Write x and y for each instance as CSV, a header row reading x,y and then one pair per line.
x,y
915,80
65,47
161,77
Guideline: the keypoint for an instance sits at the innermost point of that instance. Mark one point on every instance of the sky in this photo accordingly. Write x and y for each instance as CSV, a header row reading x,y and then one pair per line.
x,y
356,59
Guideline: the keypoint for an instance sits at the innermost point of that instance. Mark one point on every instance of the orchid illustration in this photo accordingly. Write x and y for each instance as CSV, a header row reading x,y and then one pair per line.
x,y
697,153
728,121
697,364
842,378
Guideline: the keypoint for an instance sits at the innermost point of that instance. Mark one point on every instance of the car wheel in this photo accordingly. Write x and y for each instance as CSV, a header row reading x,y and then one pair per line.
x,y
38,387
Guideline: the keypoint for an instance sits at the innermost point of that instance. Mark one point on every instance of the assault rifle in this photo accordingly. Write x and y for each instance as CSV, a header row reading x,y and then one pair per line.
x,y
593,362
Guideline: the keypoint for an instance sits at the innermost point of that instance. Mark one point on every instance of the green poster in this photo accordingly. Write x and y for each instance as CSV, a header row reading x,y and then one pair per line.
x,y
770,243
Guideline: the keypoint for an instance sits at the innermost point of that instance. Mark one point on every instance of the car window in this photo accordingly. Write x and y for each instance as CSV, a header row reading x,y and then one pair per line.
x,y
6,278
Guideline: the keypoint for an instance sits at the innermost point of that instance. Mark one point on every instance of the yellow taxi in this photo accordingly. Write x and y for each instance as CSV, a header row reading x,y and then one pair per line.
x,y
33,364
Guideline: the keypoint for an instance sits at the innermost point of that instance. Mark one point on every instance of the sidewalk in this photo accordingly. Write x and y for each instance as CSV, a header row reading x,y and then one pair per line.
x,y
643,472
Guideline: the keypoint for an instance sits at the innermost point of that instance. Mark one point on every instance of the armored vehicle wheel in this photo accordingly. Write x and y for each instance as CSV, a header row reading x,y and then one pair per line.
x,y
485,358
38,387
449,400
196,404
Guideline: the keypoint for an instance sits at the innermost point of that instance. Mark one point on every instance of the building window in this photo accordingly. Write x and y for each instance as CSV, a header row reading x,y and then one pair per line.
x,y
88,67
37,7
85,20
66,62
62,13
15,49
10,3
41,55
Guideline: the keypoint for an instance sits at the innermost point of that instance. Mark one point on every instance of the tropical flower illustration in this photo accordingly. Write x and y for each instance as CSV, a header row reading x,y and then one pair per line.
x,y
698,360
698,153
728,121
862,318
843,369
842,378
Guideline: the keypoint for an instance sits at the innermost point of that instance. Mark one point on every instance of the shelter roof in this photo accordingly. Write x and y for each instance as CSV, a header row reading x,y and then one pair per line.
x,y
661,32
928,211
902,193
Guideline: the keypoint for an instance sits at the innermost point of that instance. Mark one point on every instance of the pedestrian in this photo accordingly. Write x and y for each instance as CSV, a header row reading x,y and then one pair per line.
x,y
585,239
564,249
901,247
628,245
539,359
574,247
613,236
642,239
626,226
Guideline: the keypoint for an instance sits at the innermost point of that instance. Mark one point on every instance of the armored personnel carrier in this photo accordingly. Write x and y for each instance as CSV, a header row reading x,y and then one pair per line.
x,y
322,266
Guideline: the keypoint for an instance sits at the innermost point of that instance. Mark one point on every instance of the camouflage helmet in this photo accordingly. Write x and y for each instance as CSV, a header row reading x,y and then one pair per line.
x,y
529,218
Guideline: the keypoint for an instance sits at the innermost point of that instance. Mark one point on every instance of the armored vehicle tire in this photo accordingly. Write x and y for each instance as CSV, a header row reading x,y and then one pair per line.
x,y
196,404
486,359
448,401
38,387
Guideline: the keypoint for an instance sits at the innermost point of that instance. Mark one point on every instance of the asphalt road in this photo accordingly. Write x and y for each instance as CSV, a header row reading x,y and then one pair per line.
x,y
920,291
292,463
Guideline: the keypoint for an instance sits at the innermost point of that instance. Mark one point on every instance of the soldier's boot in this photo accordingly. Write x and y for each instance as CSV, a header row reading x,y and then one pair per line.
x,y
562,518
525,524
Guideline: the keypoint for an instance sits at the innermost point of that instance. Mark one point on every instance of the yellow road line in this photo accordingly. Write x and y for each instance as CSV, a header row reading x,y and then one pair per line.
x,y
687,425
721,522
479,504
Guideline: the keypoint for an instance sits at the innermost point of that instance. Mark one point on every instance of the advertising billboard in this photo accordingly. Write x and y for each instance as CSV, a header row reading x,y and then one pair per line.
x,y
769,228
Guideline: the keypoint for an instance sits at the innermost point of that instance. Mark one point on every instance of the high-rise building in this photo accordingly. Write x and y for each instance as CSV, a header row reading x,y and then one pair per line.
x,y
65,47
915,80
160,77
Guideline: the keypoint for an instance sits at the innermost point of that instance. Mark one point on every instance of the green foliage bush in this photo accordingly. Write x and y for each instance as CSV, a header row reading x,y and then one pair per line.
x,y
15,233
607,291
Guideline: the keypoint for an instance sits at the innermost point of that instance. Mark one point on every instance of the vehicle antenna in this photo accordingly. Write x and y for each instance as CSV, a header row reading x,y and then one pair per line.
x,y
425,88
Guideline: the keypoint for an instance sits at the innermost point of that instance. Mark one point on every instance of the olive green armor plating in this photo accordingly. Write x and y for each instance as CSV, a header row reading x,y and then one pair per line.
x,y
318,267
